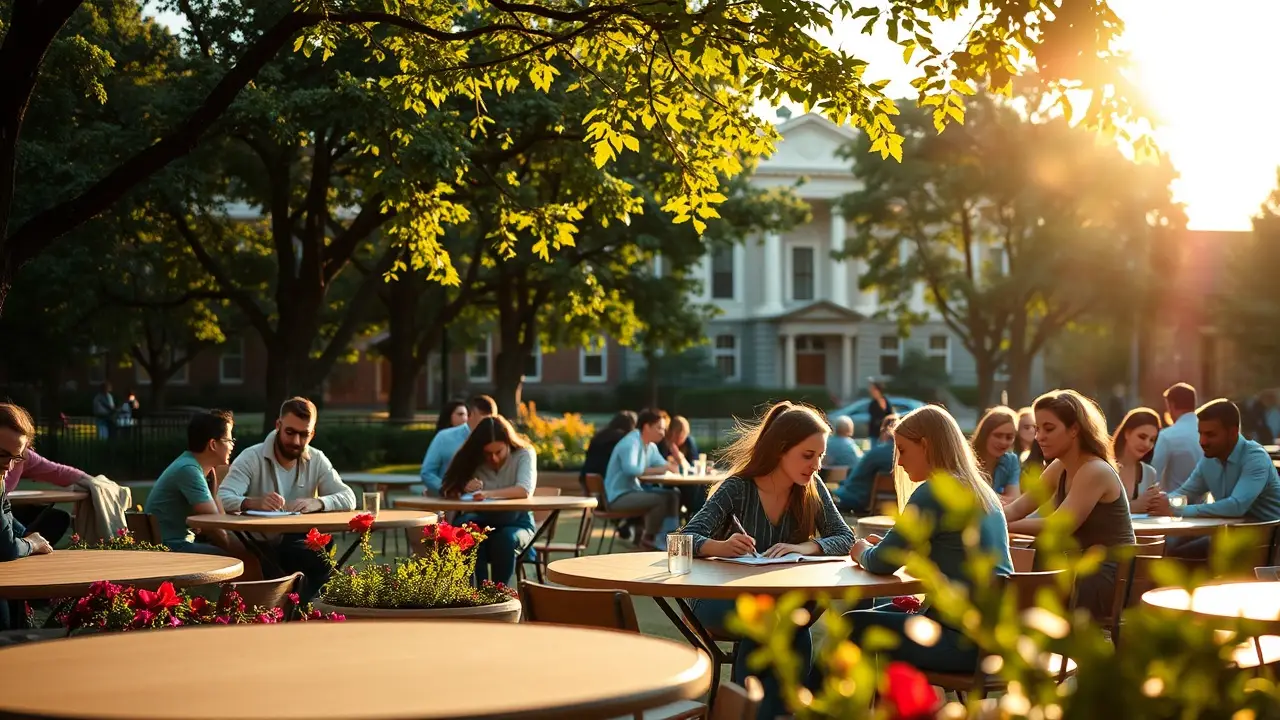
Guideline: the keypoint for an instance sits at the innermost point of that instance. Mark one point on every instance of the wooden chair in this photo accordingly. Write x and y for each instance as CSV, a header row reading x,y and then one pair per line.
x,y
1024,558
1027,587
1270,573
143,527
735,702
607,609
1269,533
883,490
266,593
1133,577
595,489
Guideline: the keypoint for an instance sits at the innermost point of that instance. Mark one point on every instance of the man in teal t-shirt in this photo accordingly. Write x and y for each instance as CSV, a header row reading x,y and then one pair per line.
x,y
182,490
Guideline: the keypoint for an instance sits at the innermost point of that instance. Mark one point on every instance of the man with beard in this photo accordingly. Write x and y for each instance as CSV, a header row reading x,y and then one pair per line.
x,y
284,473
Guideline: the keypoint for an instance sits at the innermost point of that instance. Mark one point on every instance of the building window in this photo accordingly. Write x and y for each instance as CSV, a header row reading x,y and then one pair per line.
x,y
593,364
724,353
940,353
890,354
802,273
533,365
97,367
231,363
478,360
722,273
179,377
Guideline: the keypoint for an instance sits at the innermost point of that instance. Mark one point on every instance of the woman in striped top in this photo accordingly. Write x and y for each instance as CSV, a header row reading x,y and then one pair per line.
x,y
775,493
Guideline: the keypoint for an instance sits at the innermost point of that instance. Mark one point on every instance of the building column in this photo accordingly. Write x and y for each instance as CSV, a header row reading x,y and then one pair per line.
x,y
846,369
839,269
788,361
773,269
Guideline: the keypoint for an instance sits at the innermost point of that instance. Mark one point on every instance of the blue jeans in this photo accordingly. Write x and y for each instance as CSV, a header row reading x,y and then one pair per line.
x,y
953,653
496,557
713,613
190,546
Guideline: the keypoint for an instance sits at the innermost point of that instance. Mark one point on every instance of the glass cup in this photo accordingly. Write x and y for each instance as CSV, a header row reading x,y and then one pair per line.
x,y
700,466
371,502
679,553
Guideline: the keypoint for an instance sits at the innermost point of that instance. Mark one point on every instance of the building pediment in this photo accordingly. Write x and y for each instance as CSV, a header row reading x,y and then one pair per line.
x,y
822,311
810,144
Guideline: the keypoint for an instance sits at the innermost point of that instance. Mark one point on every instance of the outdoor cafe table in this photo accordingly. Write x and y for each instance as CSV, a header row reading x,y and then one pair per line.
x,y
645,574
246,527
45,497
1225,604
383,671
678,480
67,573
1180,527
552,504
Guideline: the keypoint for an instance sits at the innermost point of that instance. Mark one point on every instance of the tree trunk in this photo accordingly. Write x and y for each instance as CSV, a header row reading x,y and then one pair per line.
x,y
400,349
277,383
985,367
651,379
508,380
157,391
1019,377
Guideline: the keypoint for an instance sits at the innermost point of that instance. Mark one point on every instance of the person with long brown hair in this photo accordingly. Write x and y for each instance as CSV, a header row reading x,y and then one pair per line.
x,y
1132,446
775,495
495,462
1084,485
997,431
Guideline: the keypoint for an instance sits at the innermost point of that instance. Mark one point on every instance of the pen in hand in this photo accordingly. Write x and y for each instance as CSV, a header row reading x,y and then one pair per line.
x,y
738,525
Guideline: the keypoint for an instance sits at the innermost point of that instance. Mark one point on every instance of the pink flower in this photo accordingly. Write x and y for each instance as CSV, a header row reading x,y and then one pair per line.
x,y
907,603
143,618
222,620
293,598
122,532
336,617
174,621
75,538
266,618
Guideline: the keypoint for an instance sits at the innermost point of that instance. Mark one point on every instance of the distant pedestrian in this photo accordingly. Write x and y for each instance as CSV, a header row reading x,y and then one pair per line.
x,y
104,410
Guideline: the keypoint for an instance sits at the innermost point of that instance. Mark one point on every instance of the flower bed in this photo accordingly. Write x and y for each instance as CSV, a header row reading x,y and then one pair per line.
x,y
109,607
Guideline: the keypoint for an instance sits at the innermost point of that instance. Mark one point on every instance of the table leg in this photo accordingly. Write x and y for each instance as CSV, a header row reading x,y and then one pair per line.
x,y
538,533
697,634
269,565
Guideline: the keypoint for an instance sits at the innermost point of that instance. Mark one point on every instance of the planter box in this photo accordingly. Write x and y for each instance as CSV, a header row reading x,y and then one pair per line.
x,y
508,611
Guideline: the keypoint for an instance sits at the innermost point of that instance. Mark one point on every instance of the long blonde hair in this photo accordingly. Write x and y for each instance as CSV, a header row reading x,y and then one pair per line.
x,y
758,447
996,418
1076,410
947,450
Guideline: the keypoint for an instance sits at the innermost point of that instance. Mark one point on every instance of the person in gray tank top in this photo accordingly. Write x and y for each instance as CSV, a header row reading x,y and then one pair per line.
x,y
1082,480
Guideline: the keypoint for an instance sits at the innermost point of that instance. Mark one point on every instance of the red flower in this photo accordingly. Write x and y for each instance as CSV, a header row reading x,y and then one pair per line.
x,y
908,690
75,538
361,523
318,541
222,620
174,621
464,541
122,532
199,605
142,618
907,603
161,599
294,599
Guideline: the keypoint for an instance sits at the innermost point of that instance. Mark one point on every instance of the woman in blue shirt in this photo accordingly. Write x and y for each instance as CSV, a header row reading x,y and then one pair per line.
x,y
931,449
993,445
775,493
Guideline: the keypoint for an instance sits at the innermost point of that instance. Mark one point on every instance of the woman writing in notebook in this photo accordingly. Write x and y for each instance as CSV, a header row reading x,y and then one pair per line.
x,y
774,495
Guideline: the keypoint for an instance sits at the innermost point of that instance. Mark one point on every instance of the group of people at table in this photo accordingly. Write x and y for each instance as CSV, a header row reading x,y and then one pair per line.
x,y
772,501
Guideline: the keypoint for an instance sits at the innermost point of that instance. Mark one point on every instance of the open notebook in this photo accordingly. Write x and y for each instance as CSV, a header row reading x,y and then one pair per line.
x,y
270,513
784,560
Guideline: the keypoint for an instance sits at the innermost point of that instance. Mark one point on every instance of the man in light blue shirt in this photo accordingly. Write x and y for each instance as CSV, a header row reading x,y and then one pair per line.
x,y
841,450
1178,446
634,455
1237,471
447,441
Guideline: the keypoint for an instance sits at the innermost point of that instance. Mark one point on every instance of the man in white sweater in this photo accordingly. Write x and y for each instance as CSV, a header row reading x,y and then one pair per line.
x,y
285,473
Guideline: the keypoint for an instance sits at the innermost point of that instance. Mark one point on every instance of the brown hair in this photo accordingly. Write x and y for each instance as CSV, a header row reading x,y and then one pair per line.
x,y
17,419
483,404
298,407
1181,396
678,424
466,461
1076,410
1134,419
758,448
995,418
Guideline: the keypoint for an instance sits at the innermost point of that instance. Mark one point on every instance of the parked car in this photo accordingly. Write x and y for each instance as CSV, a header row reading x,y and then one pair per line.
x,y
858,411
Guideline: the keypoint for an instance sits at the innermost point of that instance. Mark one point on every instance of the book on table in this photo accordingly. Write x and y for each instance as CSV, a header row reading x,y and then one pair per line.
x,y
788,559
271,513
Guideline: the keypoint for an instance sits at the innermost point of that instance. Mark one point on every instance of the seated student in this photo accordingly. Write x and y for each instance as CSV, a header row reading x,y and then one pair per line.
x,y
182,489
773,493
1131,445
447,441
930,444
1238,472
1084,486
600,447
854,492
842,451
635,454
16,432
51,522
495,462
992,443
285,473
680,448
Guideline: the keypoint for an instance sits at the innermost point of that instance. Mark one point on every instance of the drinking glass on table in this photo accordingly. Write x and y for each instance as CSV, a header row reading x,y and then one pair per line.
x,y
700,466
371,502
679,553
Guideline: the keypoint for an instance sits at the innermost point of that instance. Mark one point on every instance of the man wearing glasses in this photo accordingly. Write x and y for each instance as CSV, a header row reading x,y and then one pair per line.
x,y
182,489
284,473
16,431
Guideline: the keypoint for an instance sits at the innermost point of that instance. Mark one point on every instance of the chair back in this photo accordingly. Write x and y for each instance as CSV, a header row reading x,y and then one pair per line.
x,y
608,609
883,490
1024,558
266,593
835,475
1027,587
1270,574
735,702
143,527
1268,533
595,489
540,516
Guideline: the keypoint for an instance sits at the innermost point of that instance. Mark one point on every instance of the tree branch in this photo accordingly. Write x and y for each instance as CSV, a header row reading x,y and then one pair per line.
x,y
242,299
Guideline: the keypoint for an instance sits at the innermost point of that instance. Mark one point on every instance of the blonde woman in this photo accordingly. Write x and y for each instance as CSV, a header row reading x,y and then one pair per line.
x,y
1083,482
992,444
931,447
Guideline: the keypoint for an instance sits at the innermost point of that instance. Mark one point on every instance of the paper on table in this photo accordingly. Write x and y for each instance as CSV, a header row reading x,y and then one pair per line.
x,y
270,513
470,497
1140,516
784,560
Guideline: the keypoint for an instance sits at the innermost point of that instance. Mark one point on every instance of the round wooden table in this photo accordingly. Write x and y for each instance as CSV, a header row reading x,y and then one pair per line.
x,y
1224,603
46,497
873,525
1180,527
530,671
550,504
66,573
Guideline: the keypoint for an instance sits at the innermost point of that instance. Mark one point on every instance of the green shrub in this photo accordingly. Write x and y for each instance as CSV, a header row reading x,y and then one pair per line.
x,y
561,443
